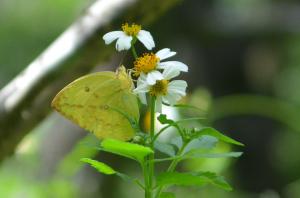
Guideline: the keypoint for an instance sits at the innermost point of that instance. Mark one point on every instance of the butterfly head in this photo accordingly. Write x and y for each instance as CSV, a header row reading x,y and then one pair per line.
x,y
126,79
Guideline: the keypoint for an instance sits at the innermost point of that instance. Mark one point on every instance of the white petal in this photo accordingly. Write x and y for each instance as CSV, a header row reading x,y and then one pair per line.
x,y
170,72
142,97
164,99
178,84
165,53
153,76
123,43
177,87
179,92
143,88
158,105
111,36
142,78
171,98
175,64
146,38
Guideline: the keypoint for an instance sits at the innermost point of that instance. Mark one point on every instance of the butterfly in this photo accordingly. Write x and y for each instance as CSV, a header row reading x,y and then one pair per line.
x,y
102,103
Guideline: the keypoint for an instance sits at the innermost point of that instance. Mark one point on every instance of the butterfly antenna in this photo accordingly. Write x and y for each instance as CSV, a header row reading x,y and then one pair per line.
x,y
120,64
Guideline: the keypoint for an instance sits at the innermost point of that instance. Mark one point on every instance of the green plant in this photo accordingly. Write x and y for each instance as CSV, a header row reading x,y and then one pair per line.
x,y
84,103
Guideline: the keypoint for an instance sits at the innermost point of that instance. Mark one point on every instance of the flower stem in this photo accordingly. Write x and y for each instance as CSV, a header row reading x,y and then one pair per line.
x,y
134,51
146,178
150,175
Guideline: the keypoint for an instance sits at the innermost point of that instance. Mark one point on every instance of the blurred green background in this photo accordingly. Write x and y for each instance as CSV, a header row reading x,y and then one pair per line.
x,y
244,70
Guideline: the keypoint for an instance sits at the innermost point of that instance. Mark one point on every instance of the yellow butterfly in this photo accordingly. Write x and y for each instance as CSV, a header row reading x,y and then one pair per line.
x,y
102,103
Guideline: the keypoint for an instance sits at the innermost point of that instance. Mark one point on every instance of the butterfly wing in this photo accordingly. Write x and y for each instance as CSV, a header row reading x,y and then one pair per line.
x,y
87,101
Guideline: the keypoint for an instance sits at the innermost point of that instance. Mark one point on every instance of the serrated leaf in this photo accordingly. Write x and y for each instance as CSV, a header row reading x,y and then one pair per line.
x,y
101,167
162,118
192,179
126,149
213,132
177,141
167,195
165,148
205,142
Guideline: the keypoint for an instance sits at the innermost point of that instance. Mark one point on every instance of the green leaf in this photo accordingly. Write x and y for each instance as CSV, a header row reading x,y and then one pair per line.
x,y
201,154
213,132
167,195
127,178
165,148
177,141
197,154
182,179
162,118
101,167
205,142
126,149
192,179
215,180
105,169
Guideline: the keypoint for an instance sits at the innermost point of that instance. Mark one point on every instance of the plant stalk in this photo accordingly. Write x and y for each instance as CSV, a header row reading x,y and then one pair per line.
x,y
152,131
134,51
171,168
146,176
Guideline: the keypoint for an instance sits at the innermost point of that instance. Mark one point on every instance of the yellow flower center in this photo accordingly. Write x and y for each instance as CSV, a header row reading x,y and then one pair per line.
x,y
131,30
145,63
159,88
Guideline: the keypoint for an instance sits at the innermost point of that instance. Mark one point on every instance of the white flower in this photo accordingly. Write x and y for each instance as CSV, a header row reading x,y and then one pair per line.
x,y
125,37
164,90
149,63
